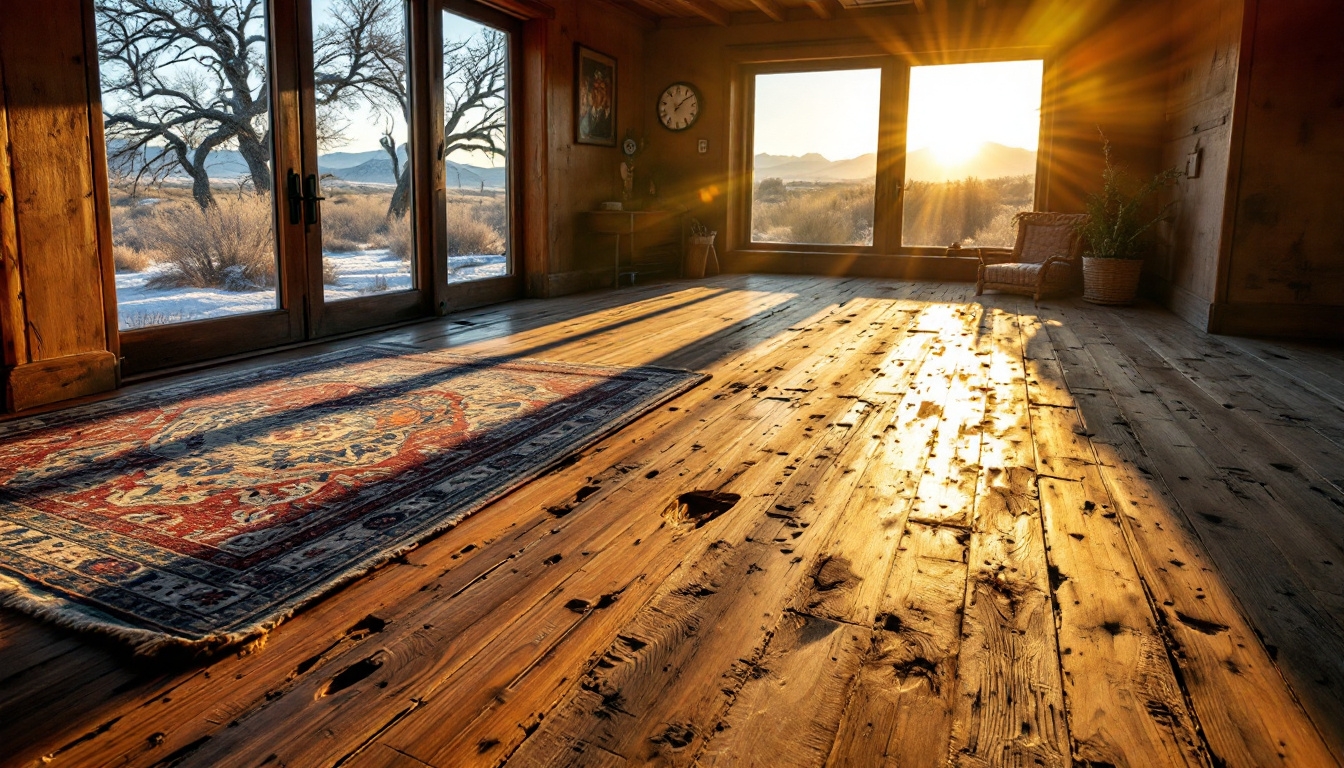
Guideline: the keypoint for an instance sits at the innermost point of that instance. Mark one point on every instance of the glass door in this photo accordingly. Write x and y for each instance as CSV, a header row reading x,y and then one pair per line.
x,y
193,135
282,170
475,186
359,186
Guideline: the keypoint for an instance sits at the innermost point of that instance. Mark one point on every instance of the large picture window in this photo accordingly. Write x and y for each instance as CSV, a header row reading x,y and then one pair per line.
x,y
875,154
815,163
970,163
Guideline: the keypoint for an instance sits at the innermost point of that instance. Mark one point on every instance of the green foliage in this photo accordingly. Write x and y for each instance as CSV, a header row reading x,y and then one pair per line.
x,y
1119,216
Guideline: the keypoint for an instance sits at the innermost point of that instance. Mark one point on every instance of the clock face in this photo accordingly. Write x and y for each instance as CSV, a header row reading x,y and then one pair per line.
x,y
679,106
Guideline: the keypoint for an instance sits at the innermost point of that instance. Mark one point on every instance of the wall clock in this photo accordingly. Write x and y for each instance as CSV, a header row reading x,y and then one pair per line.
x,y
679,106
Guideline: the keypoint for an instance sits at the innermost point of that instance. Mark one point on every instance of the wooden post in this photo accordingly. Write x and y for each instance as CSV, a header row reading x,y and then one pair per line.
x,y
55,327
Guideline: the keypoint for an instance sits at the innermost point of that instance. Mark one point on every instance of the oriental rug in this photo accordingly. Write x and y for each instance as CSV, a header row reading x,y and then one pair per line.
x,y
200,515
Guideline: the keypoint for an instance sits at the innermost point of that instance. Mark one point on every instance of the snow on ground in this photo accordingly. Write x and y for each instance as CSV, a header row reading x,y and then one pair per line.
x,y
360,273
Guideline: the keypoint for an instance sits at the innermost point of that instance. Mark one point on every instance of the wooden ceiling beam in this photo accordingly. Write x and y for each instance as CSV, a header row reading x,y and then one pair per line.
x,y
706,9
822,8
647,8
523,9
770,8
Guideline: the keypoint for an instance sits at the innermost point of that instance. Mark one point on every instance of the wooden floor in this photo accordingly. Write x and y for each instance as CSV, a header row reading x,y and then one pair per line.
x,y
970,531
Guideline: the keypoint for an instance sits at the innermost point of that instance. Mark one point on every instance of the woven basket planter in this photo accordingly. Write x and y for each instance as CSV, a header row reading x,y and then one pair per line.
x,y
700,254
1111,281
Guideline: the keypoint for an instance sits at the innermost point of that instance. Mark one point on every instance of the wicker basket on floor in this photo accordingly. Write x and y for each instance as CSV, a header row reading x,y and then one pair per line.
x,y
1111,281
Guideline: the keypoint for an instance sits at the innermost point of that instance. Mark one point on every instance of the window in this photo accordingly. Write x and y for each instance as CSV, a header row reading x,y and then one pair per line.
x,y
970,163
867,151
814,169
363,96
476,139
187,116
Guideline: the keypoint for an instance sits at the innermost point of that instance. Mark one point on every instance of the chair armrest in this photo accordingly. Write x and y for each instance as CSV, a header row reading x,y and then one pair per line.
x,y
1059,258
994,255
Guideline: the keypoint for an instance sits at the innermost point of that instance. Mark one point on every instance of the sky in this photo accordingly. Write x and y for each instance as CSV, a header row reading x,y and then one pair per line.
x,y
830,113
953,109
956,107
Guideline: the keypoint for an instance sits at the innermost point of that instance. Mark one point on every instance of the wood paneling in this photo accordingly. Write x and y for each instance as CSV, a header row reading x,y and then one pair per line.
x,y
52,240
13,339
581,176
1201,87
1288,241
48,111
61,378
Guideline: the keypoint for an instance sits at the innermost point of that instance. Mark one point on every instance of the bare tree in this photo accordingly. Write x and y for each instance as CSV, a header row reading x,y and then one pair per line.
x,y
359,61
185,78
475,86
361,56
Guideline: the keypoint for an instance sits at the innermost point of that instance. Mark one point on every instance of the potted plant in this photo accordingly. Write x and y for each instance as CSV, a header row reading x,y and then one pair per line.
x,y
1115,232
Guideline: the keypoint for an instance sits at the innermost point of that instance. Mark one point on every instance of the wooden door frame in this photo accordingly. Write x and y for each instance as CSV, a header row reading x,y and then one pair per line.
x,y
299,319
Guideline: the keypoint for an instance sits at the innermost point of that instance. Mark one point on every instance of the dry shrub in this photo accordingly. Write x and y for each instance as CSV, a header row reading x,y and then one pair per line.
x,y
230,245
970,211
353,222
331,274
127,259
398,238
470,232
835,214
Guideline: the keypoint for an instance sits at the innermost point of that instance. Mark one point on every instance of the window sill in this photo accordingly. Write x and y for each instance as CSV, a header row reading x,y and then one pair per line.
x,y
896,266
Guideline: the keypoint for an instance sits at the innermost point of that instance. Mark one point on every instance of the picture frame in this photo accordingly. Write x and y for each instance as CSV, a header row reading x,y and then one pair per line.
x,y
594,98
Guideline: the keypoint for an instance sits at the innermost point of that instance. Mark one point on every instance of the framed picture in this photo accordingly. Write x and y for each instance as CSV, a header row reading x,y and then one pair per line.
x,y
595,96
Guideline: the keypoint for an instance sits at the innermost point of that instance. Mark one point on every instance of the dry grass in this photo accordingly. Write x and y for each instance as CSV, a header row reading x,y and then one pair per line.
x,y
230,245
470,232
398,238
833,214
970,212
127,259
331,274
354,222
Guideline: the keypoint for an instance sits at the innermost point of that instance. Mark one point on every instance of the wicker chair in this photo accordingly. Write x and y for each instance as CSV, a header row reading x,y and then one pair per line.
x,y
1044,261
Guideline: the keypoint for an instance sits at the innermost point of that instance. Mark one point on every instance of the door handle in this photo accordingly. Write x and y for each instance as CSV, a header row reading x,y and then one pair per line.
x,y
310,199
303,198
295,196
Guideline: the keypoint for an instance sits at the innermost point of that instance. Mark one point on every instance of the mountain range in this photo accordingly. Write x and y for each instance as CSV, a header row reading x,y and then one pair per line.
x,y
372,167
989,162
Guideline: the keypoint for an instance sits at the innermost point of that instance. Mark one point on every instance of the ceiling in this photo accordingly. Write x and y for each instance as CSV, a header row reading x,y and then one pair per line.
x,y
725,12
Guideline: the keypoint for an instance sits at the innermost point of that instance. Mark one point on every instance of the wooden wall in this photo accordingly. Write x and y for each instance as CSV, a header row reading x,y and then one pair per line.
x,y
1201,89
1104,52
582,176
1284,270
53,317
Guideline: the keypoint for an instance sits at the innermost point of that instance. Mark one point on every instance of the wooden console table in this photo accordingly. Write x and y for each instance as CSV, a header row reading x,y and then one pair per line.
x,y
630,223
